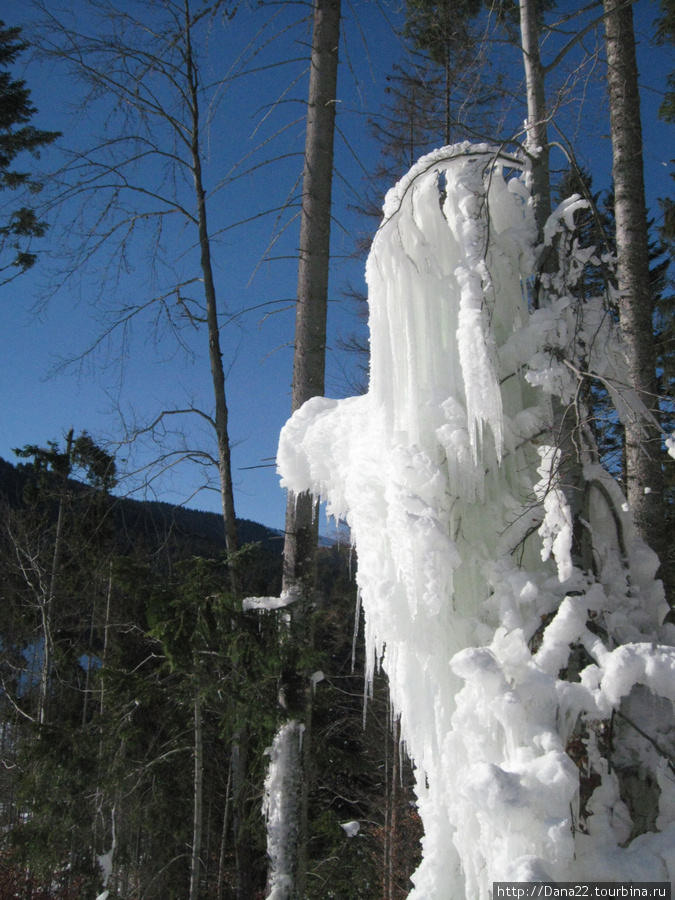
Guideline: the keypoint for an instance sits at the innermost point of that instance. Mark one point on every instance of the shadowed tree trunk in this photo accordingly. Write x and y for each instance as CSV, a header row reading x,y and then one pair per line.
x,y
644,476
198,798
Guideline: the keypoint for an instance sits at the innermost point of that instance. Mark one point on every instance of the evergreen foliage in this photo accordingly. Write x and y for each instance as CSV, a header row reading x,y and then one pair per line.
x,y
144,631
666,32
17,136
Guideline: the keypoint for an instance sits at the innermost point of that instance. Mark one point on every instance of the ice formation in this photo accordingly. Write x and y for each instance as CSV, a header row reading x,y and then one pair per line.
x,y
512,670
280,784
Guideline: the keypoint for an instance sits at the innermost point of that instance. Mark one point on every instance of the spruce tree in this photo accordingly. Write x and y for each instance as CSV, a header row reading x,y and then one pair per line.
x,y
17,225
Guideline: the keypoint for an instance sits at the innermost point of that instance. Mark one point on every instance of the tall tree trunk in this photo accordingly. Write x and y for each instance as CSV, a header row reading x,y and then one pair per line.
x,y
537,119
220,882
309,358
447,91
566,420
242,845
47,611
392,777
215,353
221,417
644,476
309,362
197,810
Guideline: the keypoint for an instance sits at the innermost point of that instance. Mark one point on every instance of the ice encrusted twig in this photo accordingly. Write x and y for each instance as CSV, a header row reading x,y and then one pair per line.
x,y
556,529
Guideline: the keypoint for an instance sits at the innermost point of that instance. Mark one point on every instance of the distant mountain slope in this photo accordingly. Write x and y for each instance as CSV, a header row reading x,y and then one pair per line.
x,y
153,522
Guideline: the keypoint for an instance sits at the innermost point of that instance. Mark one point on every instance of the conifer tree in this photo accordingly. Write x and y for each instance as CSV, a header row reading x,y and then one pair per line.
x,y
55,546
17,225
441,29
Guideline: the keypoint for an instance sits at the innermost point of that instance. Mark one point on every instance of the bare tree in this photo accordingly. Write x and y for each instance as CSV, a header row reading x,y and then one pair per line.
x,y
138,174
145,62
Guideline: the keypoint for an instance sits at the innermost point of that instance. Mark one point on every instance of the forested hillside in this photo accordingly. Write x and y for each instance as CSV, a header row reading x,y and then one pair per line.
x,y
195,532
146,642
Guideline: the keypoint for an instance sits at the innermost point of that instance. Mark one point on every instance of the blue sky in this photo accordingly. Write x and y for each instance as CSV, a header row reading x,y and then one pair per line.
x,y
37,405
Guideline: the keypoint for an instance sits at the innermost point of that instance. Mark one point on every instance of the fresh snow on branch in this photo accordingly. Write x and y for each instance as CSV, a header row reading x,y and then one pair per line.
x,y
535,695
670,445
351,829
556,529
269,603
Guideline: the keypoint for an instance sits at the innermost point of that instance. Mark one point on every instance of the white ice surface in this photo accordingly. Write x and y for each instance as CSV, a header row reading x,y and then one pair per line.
x,y
282,826
447,476
269,603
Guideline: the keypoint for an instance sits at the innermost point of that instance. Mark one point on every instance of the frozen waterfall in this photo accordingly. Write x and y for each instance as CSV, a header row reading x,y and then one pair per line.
x,y
446,474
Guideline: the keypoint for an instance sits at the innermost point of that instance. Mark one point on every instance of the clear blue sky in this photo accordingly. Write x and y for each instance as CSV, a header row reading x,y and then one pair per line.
x,y
35,408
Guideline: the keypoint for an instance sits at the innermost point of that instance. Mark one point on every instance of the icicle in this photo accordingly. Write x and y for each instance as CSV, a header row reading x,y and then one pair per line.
x,y
316,678
357,621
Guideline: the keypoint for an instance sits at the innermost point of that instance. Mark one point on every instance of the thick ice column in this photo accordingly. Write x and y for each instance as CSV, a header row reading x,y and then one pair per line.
x,y
405,464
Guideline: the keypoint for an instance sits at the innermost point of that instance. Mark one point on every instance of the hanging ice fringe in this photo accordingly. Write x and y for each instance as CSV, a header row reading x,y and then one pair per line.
x,y
535,698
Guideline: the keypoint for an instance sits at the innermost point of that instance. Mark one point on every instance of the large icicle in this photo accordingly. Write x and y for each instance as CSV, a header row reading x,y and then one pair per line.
x,y
439,473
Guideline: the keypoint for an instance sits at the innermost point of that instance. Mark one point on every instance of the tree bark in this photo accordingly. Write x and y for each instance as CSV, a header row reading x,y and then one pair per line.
x,y
215,353
220,882
197,811
309,358
47,611
566,419
242,845
644,477
309,362
537,120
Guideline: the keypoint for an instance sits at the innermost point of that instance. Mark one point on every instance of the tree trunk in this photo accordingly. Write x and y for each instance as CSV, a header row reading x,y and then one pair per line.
x,y
215,354
314,255
644,477
392,800
309,360
242,844
47,611
220,883
566,419
197,813
447,90
537,120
